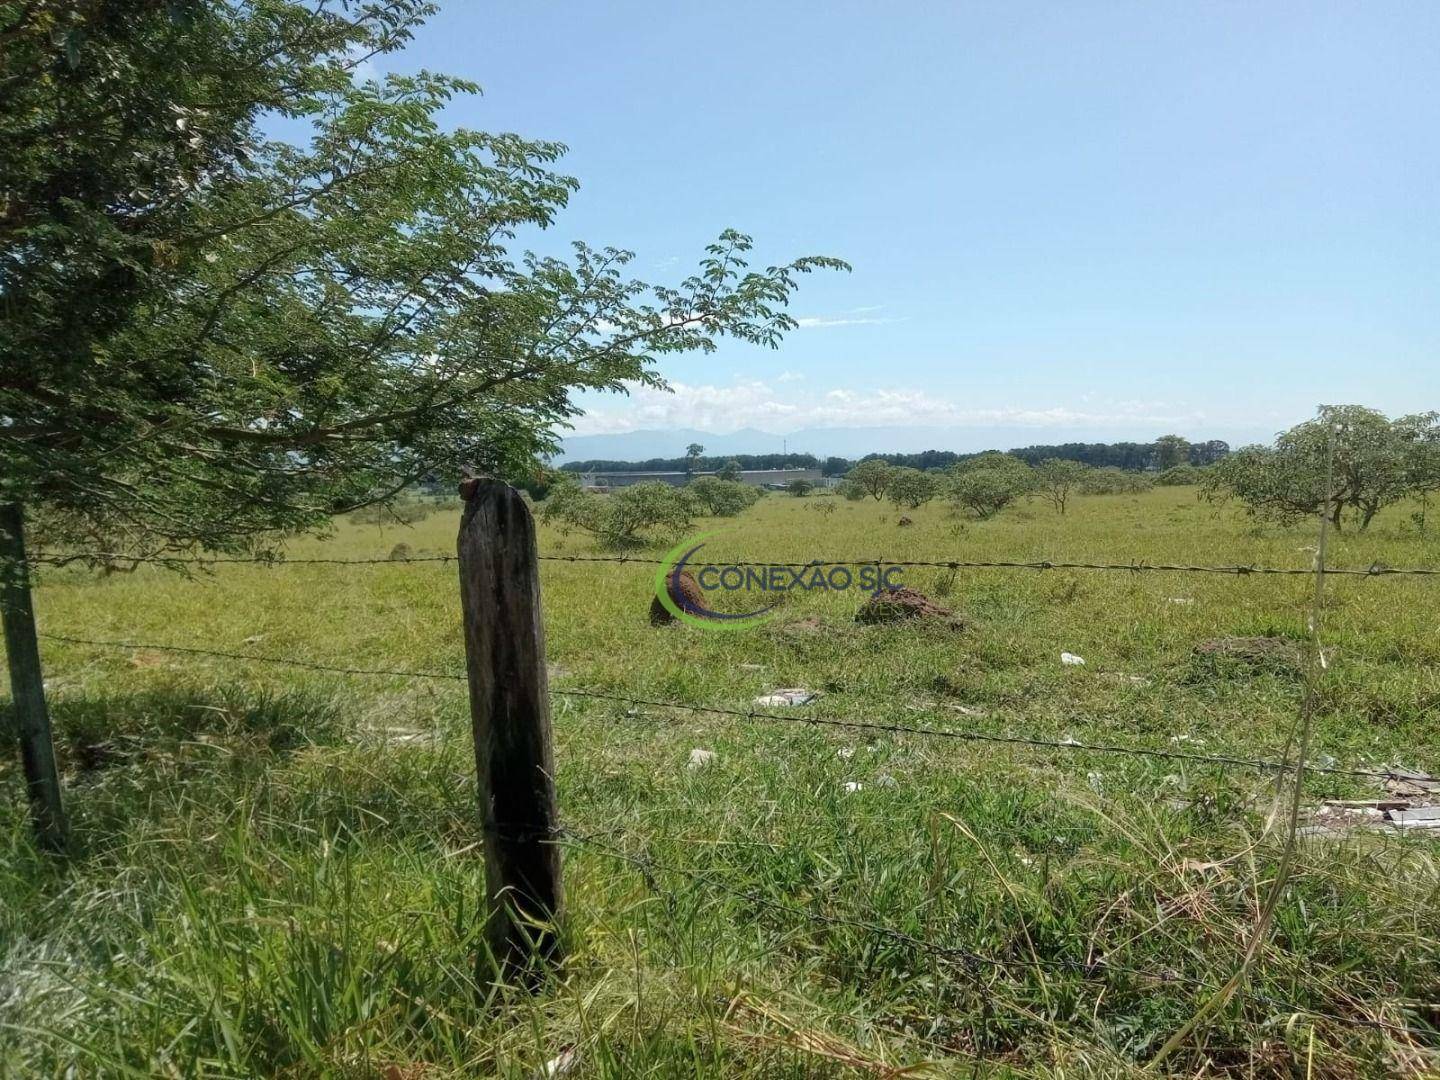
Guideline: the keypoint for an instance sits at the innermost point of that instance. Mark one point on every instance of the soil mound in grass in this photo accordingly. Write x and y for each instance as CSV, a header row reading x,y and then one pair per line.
x,y
904,521
400,552
901,604
685,593
1259,653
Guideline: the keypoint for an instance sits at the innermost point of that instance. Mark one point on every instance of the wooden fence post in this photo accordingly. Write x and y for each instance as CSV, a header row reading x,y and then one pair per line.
x,y
510,717
27,685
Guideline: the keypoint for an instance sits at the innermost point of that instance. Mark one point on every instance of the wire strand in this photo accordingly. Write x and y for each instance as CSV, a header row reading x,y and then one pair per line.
x,y
961,735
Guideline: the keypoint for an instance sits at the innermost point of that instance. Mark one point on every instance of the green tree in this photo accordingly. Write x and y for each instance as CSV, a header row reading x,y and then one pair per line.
x,y
210,337
1170,451
872,477
692,458
1371,462
911,488
731,470
1056,478
800,488
624,518
722,498
988,483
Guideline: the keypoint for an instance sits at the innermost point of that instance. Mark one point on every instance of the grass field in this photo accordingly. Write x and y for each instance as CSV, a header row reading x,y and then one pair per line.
x,y
278,871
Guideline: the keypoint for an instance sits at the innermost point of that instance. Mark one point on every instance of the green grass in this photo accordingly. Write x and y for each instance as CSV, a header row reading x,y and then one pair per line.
x,y
278,873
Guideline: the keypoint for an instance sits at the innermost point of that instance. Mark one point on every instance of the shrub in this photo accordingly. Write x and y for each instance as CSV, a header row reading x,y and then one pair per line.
x,y
1180,476
628,517
799,488
722,498
987,484
1113,481
910,488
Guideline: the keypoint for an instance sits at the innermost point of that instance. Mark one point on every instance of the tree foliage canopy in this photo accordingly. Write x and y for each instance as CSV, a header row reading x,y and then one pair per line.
x,y
1376,463
627,517
209,336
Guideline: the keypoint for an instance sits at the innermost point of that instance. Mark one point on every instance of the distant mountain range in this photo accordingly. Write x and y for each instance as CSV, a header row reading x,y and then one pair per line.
x,y
857,442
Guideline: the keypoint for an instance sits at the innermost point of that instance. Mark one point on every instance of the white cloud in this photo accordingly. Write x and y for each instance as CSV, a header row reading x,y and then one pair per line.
x,y
860,316
782,407
789,376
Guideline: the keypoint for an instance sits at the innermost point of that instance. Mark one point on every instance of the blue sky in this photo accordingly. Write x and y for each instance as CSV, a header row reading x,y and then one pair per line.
x,y
1118,218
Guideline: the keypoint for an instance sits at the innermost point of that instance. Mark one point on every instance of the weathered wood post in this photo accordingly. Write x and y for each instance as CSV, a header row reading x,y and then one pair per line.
x,y
510,717
27,684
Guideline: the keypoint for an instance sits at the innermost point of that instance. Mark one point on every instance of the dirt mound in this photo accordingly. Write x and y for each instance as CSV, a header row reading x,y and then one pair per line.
x,y
900,604
1271,653
400,552
904,521
685,593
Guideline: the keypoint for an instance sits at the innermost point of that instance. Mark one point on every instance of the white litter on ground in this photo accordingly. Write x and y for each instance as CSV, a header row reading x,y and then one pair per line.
x,y
700,758
791,696
1072,660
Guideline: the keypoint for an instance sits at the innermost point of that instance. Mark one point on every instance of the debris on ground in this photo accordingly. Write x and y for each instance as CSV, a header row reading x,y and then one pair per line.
x,y
700,758
902,603
400,552
1181,599
904,521
1410,783
791,696
852,786
1071,660
1336,816
563,1064
684,592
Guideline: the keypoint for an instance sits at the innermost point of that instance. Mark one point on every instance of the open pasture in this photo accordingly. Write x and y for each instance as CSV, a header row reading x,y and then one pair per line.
x,y
278,869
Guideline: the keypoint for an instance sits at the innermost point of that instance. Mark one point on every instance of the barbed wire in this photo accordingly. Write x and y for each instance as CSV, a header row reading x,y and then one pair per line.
x,y
752,714
1136,567
968,958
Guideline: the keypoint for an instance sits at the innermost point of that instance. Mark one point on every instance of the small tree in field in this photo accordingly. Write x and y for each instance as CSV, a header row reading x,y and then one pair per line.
x,y
731,471
1370,461
872,477
987,484
800,488
1056,478
910,489
627,517
722,498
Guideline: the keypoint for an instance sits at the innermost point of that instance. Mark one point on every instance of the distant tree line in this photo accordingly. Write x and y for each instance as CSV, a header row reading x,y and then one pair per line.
x,y
699,463
1164,453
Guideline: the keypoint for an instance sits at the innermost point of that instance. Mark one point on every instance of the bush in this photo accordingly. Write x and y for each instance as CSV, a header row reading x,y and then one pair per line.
x,y
628,517
1113,481
799,488
911,488
722,498
987,484
1180,476
850,491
